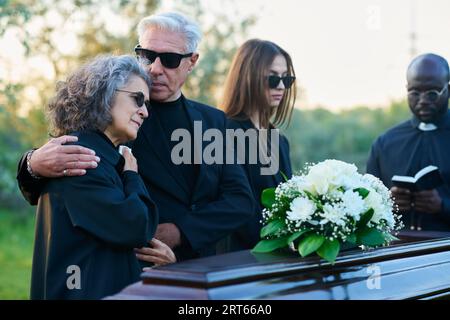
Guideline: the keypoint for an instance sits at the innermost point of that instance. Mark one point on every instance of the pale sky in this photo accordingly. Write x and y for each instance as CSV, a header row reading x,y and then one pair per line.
x,y
346,52
349,52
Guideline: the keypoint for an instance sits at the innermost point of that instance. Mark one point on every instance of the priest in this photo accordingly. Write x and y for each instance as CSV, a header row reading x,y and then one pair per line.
x,y
418,142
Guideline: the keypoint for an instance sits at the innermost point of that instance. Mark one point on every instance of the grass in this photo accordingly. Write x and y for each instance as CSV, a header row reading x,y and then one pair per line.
x,y
16,253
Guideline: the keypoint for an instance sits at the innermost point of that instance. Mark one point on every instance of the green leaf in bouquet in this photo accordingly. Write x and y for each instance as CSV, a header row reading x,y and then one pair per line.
x,y
268,197
365,218
272,227
270,245
284,176
310,244
363,192
297,234
329,250
350,242
319,205
314,199
351,238
310,195
371,237
389,237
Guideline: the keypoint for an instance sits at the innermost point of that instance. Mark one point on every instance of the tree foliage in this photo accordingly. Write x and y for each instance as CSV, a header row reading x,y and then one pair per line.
x,y
320,134
11,144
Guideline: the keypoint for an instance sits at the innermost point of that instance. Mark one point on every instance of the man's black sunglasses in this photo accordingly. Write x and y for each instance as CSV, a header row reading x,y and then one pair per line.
x,y
274,81
139,98
169,60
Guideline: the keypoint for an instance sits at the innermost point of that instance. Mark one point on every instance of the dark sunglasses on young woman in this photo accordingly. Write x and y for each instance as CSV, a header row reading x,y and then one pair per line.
x,y
274,81
139,98
170,60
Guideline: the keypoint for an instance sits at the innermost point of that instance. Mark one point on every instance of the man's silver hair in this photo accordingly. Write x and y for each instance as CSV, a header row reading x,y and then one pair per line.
x,y
175,22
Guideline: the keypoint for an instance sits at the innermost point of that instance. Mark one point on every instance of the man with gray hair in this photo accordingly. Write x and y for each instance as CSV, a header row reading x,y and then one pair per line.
x,y
199,204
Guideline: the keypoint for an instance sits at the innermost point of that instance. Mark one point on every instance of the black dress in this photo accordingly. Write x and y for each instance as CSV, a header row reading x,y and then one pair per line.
x,y
247,236
87,227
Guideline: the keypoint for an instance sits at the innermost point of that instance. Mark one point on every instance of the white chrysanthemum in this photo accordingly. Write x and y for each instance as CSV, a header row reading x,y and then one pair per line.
x,y
334,214
386,215
374,199
381,208
301,210
353,204
335,194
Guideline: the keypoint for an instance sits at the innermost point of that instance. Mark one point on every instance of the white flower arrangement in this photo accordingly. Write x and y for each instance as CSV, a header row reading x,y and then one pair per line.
x,y
327,207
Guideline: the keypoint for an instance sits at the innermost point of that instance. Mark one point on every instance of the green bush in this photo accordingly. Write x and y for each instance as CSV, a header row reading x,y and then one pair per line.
x,y
16,252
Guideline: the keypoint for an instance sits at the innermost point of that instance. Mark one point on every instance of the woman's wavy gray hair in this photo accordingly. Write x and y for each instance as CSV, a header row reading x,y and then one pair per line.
x,y
176,22
84,100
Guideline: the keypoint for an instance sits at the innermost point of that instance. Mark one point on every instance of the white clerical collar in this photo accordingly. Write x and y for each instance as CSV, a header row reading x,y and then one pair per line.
x,y
426,126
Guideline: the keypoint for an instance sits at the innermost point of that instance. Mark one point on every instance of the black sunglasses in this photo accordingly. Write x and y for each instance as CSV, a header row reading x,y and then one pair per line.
x,y
274,81
169,60
139,98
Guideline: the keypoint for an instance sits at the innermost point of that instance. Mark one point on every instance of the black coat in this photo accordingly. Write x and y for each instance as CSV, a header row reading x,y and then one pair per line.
x,y
91,222
248,235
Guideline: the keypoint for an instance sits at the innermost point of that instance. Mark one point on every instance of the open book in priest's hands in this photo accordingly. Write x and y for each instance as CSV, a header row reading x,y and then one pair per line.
x,y
426,179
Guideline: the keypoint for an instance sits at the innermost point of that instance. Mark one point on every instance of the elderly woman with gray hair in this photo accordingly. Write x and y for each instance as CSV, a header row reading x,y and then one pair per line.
x,y
88,226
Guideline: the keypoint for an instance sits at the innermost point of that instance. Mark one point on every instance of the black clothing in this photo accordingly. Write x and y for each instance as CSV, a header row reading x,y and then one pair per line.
x,y
248,235
404,150
92,223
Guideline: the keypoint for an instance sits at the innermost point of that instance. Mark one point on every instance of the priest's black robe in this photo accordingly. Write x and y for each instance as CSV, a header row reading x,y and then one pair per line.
x,y
404,150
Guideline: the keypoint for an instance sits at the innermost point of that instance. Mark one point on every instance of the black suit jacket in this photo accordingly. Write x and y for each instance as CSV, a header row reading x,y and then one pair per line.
x,y
247,236
221,201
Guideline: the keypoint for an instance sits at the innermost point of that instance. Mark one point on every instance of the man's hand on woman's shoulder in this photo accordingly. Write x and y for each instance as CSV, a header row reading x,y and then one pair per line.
x,y
55,159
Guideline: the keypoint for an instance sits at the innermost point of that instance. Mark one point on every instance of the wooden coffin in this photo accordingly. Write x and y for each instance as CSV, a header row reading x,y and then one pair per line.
x,y
418,269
